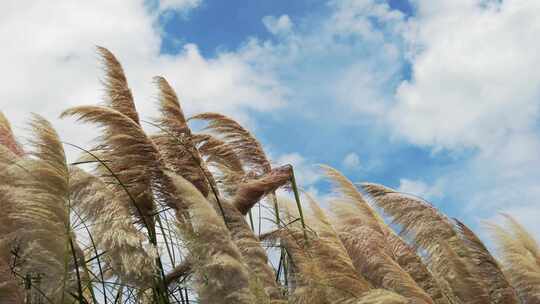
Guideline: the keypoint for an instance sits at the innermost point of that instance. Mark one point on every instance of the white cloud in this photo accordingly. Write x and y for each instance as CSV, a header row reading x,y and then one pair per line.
x,y
476,74
476,81
526,216
344,57
351,161
420,188
476,85
305,173
49,63
278,26
178,4
356,16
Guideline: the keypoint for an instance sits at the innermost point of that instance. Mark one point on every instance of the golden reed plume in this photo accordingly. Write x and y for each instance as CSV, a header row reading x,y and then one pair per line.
x,y
520,257
364,233
451,257
161,218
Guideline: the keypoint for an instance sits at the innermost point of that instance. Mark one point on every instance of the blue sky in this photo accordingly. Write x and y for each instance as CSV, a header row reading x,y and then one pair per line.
x,y
323,137
221,25
437,98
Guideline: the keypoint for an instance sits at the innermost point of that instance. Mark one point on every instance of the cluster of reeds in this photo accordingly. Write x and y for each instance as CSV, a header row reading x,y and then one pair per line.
x,y
170,218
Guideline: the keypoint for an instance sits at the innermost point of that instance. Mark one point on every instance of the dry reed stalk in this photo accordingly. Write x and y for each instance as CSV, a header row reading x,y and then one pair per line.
x,y
118,94
7,138
246,146
216,259
500,290
126,149
175,141
364,234
409,260
10,152
10,290
41,221
122,244
330,251
130,156
520,255
367,247
323,272
221,156
449,257
251,191
381,296
261,274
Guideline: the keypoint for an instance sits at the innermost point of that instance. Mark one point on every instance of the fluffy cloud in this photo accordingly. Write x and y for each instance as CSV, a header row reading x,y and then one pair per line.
x,y
345,57
277,26
474,87
178,4
49,62
351,161
420,188
305,173
475,83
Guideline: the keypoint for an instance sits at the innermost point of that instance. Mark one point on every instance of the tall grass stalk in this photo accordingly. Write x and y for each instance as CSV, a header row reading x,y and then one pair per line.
x,y
167,218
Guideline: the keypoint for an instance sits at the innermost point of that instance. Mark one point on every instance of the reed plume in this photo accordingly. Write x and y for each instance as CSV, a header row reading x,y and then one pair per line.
x,y
364,234
123,246
335,261
10,291
7,159
218,260
192,192
175,141
251,191
218,154
520,256
134,171
323,271
368,249
7,138
118,94
247,149
409,260
245,145
10,152
130,155
381,296
500,290
41,220
261,274
449,257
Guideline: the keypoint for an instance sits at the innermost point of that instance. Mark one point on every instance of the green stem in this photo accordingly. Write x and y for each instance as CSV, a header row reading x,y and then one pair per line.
x,y
79,285
298,204
97,258
251,220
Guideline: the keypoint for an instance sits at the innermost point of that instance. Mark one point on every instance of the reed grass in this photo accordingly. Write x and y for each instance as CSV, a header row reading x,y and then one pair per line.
x,y
167,218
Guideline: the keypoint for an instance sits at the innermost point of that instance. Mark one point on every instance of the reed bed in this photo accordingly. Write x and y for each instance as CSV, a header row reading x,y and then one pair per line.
x,y
168,217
